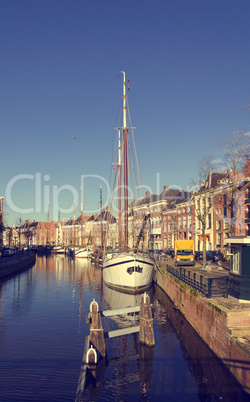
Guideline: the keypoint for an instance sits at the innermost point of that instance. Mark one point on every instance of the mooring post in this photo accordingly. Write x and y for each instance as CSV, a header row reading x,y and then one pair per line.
x,y
91,360
146,332
96,330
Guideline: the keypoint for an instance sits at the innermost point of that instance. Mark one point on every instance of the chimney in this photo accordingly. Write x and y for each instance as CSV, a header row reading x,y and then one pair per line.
x,y
165,188
147,193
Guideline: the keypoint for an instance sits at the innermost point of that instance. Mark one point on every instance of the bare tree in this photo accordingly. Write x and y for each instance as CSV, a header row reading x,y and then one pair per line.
x,y
235,150
203,201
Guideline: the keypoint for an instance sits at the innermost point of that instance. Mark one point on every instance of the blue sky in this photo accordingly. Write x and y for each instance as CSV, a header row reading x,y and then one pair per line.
x,y
188,66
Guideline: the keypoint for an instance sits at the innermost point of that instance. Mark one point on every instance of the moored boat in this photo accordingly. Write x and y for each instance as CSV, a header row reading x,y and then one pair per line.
x,y
84,252
127,270
58,250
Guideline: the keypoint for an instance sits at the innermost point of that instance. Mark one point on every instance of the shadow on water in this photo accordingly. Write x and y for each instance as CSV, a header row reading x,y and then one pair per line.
x,y
211,376
179,367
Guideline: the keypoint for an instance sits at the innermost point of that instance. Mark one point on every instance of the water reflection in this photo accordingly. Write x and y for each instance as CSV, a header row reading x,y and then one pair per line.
x,y
212,379
43,330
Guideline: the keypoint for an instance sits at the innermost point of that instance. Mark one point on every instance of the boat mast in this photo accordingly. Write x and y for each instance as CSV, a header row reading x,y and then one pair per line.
x,y
74,225
81,218
101,218
125,154
47,237
119,189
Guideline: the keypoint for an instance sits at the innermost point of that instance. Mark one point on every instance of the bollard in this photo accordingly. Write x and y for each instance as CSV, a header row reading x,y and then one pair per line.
x,y
96,330
146,332
91,360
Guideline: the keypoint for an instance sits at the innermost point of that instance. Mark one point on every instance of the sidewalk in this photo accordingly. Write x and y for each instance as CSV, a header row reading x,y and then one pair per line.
x,y
212,270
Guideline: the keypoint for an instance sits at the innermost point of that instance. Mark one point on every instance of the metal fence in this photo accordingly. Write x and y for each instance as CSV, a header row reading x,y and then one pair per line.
x,y
209,287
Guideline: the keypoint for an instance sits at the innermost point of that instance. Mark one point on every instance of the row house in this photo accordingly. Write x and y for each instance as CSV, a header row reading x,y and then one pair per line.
x,y
21,236
46,233
178,221
109,236
79,232
227,194
207,201
59,233
154,206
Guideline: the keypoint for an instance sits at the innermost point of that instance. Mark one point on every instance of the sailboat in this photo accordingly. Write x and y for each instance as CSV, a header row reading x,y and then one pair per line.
x,y
126,270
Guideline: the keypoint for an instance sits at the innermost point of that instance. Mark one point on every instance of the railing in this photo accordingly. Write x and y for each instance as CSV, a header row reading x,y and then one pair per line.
x,y
209,287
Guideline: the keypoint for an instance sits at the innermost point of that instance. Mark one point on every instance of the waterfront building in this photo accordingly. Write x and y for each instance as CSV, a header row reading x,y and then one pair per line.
x,y
178,221
228,195
78,232
205,200
30,233
46,233
109,230
59,233
88,233
154,206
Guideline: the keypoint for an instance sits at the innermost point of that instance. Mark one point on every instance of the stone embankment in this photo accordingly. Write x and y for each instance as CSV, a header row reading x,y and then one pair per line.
x,y
16,263
222,322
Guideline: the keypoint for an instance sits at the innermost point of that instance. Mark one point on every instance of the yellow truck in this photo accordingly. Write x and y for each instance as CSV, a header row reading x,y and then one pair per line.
x,y
184,252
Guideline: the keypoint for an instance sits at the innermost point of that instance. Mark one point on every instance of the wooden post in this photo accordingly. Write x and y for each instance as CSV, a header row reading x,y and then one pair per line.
x,y
146,333
96,330
91,360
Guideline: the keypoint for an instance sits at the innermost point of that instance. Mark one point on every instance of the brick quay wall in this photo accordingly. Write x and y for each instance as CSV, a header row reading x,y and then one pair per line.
x,y
215,322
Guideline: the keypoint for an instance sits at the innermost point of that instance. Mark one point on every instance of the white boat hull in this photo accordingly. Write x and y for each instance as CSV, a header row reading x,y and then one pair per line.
x,y
128,272
83,253
58,250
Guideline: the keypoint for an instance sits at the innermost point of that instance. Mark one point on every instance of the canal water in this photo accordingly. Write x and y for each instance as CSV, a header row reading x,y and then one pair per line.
x,y
42,334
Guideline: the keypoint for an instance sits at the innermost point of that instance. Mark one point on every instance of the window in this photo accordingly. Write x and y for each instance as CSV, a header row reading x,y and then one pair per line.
x,y
209,221
169,241
218,239
189,222
225,205
236,260
226,224
218,225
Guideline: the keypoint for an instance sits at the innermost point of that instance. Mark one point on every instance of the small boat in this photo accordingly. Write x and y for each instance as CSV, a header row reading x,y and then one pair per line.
x,y
83,252
58,250
126,270
70,251
44,250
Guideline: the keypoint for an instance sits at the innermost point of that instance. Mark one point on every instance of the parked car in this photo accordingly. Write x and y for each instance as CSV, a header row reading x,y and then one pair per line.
x,y
198,255
220,255
7,253
169,252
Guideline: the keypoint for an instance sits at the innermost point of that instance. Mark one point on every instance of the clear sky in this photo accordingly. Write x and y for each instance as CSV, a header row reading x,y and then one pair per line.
x,y
188,63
